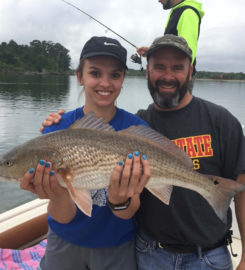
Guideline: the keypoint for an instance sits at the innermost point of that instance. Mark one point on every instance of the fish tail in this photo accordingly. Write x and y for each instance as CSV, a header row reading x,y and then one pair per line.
x,y
222,194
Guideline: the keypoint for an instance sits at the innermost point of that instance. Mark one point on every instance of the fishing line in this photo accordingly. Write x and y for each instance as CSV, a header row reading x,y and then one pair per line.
x,y
135,57
108,28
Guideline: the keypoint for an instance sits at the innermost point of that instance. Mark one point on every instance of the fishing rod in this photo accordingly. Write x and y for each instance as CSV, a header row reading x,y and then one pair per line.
x,y
135,58
100,23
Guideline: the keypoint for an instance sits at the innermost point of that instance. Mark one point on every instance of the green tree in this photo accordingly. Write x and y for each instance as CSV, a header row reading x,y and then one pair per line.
x,y
39,56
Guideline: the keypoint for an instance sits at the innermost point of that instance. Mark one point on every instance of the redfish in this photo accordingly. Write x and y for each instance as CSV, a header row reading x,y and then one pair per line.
x,y
84,156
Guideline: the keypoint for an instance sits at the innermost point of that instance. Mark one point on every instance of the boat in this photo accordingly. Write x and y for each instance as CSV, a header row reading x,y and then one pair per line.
x,y
25,226
237,250
22,235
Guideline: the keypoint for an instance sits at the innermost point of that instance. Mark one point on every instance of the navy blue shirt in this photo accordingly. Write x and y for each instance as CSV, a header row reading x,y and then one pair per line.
x,y
103,228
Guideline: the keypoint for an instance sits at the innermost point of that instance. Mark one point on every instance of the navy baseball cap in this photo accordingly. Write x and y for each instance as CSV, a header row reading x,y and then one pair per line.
x,y
104,46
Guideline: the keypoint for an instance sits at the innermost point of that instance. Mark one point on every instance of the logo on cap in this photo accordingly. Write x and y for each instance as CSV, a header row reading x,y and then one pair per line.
x,y
109,44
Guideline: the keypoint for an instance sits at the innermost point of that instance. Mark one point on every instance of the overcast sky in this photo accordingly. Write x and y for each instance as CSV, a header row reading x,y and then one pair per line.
x,y
221,42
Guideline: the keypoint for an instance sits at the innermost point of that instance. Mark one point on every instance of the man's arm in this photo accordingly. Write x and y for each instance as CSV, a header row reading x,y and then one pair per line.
x,y
240,215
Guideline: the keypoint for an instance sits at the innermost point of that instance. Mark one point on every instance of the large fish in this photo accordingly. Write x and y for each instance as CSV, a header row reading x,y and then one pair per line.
x,y
84,156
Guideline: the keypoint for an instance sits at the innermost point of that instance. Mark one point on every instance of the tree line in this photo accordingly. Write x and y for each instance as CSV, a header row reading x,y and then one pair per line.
x,y
46,56
39,56
220,75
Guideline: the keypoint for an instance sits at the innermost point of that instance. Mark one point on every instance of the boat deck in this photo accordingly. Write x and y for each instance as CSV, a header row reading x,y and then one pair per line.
x,y
26,225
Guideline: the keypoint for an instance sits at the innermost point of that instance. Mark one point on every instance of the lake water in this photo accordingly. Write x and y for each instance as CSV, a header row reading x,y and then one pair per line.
x,y
26,100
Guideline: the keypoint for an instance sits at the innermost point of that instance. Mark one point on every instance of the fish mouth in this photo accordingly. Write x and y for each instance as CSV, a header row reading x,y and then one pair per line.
x,y
8,179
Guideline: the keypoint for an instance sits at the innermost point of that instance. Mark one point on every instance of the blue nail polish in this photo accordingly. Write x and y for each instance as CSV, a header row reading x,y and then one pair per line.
x,y
130,156
144,157
31,171
120,163
136,153
51,173
47,164
41,162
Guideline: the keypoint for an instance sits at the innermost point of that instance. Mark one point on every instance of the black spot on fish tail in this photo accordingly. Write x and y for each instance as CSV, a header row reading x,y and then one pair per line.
x,y
221,195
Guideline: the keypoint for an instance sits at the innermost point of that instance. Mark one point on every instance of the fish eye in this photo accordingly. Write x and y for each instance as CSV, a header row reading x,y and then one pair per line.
x,y
8,163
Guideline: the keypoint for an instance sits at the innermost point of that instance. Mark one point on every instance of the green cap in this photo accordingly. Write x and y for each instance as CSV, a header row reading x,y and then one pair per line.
x,y
170,41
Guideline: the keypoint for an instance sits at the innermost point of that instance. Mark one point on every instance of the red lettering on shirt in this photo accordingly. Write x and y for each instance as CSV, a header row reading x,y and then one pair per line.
x,y
180,143
208,150
190,149
196,146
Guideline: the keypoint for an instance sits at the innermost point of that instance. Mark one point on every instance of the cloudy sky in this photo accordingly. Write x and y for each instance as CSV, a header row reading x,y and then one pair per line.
x,y
221,43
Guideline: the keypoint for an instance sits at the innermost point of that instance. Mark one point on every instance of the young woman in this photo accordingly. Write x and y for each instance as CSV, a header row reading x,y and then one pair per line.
x,y
102,241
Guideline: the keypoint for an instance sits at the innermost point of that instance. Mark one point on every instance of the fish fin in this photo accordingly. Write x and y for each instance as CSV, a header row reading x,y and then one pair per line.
x,y
163,193
81,197
154,137
83,200
91,121
223,192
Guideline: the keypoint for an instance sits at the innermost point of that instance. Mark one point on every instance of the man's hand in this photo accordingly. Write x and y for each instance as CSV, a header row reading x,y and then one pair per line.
x,y
142,51
52,118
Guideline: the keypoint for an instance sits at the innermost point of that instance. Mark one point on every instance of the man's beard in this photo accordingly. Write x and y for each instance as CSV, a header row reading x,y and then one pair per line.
x,y
167,5
168,100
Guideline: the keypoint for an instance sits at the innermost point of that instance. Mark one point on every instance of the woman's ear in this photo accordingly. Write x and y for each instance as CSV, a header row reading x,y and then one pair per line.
x,y
79,77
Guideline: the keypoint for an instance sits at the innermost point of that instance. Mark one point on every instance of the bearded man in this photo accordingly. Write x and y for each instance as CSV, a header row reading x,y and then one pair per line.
x,y
186,234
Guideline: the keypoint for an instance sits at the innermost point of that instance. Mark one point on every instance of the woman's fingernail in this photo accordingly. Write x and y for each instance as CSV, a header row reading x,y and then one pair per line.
x,y
31,171
41,162
120,163
136,153
47,164
51,173
130,156
144,157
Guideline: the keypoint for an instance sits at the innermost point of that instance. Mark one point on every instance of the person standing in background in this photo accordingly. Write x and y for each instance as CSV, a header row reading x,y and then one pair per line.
x,y
184,20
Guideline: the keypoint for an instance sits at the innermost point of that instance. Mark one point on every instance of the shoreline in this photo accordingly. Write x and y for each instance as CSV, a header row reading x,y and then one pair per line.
x,y
220,80
129,74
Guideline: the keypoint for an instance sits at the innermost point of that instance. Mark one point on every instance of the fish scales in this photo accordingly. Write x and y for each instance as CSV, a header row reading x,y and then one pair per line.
x,y
85,155
87,151
99,151
90,151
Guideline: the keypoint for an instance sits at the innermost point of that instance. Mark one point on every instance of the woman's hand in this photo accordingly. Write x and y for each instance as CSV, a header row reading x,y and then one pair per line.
x,y
43,182
127,181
